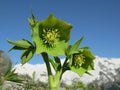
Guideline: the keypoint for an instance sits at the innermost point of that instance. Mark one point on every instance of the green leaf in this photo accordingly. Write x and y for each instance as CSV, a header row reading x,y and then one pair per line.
x,y
57,60
89,73
76,45
32,21
25,45
17,48
20,44
10,75
27,55
87,48
54,64
74,48
9,68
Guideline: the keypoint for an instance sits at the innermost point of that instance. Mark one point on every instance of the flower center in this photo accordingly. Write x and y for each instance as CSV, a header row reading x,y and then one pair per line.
x,y
78,60
50,36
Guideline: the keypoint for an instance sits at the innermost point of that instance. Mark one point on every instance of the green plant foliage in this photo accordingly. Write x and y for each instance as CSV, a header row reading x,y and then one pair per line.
x,y
10,75
27,47
27,55
73,48
54,64
50,38
23,44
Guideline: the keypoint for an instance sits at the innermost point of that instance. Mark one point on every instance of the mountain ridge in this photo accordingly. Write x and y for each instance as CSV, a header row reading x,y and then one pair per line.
x,y
103,66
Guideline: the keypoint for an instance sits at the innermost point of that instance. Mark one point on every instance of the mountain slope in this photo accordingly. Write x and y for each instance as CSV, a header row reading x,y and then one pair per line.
x,y
106,70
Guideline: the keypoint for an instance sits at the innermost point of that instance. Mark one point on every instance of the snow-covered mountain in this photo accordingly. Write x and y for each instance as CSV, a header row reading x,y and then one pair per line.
x,y
106,70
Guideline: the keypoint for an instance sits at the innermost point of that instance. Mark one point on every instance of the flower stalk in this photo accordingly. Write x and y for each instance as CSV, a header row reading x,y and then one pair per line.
x,y
54,80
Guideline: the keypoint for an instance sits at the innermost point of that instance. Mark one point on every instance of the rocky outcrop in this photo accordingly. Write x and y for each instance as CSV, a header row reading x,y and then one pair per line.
x,y
4,62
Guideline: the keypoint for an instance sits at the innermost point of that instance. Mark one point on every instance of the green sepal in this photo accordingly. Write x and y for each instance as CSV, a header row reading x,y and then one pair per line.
x,y
80,71
83,69
89,57
87,53
27,55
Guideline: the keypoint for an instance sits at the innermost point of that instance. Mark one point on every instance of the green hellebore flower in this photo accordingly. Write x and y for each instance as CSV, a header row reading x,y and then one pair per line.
x,y
82,62
50,35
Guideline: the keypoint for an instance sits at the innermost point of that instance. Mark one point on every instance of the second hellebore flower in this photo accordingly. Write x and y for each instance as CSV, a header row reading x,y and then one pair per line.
x,y
50,35
82,62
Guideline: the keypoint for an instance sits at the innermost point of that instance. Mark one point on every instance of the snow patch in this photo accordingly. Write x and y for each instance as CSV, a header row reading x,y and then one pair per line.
x,y
106,69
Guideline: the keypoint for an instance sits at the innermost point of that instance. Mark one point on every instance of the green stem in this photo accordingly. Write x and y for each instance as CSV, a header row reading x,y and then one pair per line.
x,y
46,59
65,66
53,80
65,62
56,80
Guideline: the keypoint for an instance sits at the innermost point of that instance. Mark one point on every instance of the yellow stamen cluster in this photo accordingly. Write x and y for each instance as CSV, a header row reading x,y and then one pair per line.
x,y
78,60
49,36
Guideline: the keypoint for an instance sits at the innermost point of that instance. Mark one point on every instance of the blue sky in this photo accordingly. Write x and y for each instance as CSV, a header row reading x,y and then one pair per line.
x,y
97,20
